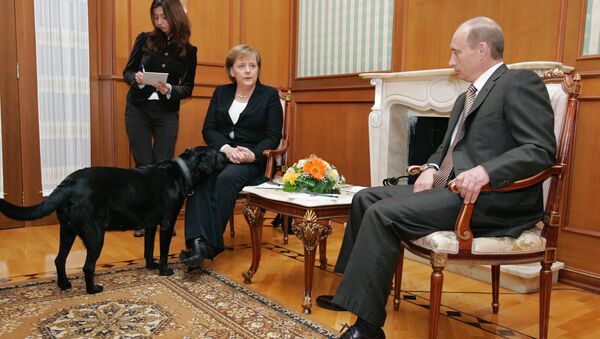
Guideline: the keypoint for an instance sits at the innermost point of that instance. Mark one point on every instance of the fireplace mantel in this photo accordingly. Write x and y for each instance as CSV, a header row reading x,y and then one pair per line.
x,y
401,95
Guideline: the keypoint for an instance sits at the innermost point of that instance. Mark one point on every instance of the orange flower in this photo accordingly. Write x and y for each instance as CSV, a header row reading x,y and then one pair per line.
x,y
316,168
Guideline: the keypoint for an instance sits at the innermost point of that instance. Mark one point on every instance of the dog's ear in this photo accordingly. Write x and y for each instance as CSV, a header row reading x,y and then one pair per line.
x,y
220,160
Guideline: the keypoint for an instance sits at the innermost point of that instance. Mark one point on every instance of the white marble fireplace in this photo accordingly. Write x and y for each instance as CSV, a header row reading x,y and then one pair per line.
x,y
431,93
401,95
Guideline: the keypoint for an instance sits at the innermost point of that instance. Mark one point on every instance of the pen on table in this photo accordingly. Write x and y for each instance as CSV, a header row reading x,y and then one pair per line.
x,y
326,195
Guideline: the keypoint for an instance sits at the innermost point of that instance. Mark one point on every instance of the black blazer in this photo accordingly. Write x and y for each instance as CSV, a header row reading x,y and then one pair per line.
x,y
510,132
182,71
258,127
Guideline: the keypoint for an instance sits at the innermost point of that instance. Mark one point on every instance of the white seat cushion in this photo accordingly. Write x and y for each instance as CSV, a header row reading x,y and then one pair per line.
x,y
445,241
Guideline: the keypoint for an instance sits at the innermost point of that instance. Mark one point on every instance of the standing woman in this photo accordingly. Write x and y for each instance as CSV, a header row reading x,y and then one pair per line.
x,y
244,118
152,111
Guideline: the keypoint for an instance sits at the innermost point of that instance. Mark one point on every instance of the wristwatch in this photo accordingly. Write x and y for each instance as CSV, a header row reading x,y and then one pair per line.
x,y
429,165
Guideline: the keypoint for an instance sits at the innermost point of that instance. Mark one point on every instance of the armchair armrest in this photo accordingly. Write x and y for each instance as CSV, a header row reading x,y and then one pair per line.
x,y
462,227
271,155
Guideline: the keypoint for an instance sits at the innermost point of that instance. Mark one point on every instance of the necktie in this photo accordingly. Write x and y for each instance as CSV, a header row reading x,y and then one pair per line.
x,y
441,177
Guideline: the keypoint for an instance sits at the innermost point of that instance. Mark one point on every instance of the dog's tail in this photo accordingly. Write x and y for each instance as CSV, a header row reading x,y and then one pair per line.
x,y
56,198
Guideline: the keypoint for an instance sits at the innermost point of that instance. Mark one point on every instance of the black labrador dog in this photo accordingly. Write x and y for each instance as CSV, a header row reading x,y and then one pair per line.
x,y
93,200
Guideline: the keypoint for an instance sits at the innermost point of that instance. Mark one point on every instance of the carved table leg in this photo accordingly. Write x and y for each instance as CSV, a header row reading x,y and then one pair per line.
x,y
254,216
311,232
323,247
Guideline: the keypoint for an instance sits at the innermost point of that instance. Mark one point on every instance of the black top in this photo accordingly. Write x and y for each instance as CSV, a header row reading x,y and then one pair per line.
x,y
182,71
258,127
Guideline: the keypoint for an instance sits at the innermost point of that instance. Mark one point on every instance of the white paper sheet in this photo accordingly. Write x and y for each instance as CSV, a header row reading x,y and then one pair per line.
x,y
150,78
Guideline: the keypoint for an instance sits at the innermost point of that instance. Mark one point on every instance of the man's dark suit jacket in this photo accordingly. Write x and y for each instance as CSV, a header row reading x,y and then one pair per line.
x,y
508,131
258,127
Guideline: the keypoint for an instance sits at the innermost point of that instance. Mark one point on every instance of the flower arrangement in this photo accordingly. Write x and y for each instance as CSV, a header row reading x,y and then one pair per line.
x,y
312,174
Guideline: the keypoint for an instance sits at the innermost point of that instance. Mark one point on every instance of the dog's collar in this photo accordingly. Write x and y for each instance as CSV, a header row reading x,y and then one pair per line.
x,y
186,175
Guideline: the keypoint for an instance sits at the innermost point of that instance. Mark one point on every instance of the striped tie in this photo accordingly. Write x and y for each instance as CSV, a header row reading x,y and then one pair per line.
x,y
440,178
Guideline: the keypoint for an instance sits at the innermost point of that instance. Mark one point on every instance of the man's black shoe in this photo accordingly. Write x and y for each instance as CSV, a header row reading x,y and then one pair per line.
x,y
354,333
326,301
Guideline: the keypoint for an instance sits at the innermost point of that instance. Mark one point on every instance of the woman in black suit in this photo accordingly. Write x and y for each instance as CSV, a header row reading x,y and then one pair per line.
x,y
152,111
243,119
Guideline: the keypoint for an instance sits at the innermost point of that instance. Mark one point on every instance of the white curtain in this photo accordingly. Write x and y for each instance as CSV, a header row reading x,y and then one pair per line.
x,y
63,75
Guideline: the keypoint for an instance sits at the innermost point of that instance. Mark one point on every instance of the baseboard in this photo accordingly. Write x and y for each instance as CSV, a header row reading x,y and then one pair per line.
x,y
585,280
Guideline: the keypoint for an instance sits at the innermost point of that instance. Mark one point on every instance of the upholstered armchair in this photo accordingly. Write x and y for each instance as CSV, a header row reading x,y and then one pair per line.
x,y
535,245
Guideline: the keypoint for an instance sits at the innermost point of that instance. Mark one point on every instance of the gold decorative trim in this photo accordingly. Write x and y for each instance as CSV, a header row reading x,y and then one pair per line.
x,y
553,74
552,219
252,213
466,235
572,86
550,255
439,259
310,231
306,304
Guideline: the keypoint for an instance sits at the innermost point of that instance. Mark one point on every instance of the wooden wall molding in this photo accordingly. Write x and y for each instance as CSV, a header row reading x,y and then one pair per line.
x,y
582,231
329,76
589,74
581,279
560,41
332,101
333,89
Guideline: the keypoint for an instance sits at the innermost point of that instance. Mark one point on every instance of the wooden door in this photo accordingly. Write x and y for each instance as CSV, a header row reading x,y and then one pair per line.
x,y
9,110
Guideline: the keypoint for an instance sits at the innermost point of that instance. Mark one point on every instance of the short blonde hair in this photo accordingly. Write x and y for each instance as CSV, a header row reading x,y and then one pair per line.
x,y
235,53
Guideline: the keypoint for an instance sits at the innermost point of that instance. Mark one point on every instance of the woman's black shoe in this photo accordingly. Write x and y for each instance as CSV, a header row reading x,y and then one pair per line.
x,y
198,250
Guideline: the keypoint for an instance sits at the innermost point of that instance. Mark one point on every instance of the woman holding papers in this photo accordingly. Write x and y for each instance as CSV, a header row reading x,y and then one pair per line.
x,y
152,111
243,119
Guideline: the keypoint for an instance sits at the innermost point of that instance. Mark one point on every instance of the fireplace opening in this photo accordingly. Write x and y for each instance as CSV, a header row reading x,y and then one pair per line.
x,y
425,134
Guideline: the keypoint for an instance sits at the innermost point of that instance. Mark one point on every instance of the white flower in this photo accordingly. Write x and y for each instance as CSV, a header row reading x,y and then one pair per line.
x,y
334,174
301,163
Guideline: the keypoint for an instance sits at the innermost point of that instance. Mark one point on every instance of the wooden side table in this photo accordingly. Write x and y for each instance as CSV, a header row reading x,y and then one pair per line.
x,y
312,224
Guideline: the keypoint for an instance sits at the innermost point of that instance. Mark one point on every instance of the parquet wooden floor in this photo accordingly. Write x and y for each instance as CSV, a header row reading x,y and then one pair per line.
x,y
26,253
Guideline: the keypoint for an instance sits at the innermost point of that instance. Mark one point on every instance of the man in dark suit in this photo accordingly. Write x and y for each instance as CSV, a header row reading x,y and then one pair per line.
x,y
500,131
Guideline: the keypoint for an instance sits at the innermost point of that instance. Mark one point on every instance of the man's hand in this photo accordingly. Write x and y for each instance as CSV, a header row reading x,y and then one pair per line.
x,y
424,181
470,183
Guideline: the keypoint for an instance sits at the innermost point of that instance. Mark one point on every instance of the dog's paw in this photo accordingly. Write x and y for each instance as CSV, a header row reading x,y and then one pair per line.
x,y
95,289
152,265
166,272
64,285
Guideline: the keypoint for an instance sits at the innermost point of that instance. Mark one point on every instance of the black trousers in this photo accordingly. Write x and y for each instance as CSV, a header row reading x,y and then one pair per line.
x,y
380,218
213,201
152,133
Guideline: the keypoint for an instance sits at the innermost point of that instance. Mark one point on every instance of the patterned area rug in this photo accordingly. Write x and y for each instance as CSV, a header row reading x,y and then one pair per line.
x,y
138,303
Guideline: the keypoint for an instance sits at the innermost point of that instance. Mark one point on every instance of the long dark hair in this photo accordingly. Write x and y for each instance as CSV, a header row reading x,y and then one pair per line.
x,y
179,27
